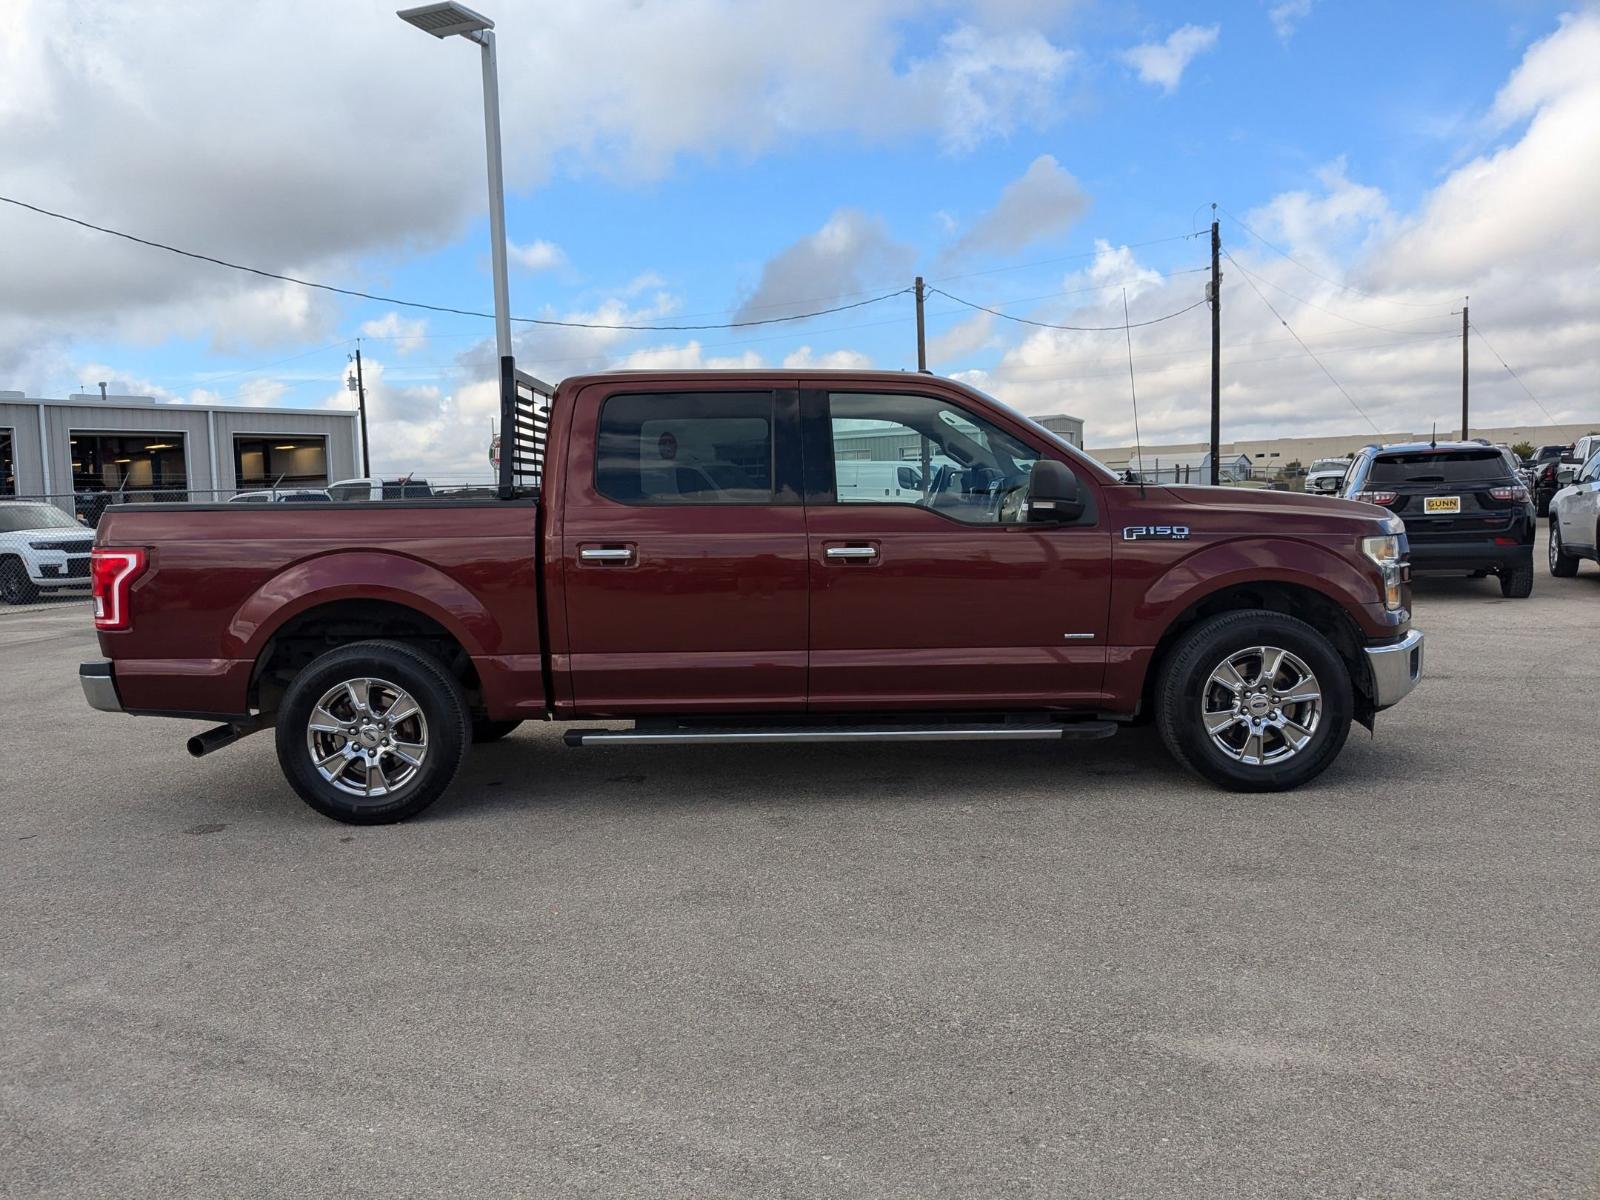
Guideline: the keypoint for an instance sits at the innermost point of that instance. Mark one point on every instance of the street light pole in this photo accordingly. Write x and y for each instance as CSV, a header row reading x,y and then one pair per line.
x,y
450,19
497,192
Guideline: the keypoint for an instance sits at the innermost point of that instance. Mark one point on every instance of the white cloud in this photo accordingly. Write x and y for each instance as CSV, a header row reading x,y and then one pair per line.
x,y
538,255
851,252
1287,15
1162,64
1043,201
832,360
406,335
963,339
992,83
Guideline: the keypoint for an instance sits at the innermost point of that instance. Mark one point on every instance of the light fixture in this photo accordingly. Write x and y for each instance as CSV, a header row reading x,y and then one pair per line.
x,y
122,460
445,20
291,446
159,446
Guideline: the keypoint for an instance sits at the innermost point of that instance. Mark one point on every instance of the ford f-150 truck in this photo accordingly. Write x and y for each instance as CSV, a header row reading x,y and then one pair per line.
x,y
686,568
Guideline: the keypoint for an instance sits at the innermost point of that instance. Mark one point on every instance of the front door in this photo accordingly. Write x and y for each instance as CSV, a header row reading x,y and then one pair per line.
x,y
952,598
683,561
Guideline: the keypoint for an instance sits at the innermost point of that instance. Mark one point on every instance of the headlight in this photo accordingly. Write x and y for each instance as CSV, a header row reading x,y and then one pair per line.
x,y
1388,551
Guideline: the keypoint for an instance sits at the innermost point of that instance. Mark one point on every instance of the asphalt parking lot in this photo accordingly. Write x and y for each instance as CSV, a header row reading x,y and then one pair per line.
x,y
960,971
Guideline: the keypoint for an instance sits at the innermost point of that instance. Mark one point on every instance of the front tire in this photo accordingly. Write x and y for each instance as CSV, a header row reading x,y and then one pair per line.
x,y
1517,583
372,732
1254,701
15,586
1562,564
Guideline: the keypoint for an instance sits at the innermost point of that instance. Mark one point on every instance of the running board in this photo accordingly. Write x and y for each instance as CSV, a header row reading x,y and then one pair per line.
x,y
734,735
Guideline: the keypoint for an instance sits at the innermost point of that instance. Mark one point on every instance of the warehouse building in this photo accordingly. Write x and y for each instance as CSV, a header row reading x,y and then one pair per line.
x,y
88,449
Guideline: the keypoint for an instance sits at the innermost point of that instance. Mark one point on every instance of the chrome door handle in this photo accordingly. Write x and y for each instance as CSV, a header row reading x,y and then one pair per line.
x,y
852,552
604,554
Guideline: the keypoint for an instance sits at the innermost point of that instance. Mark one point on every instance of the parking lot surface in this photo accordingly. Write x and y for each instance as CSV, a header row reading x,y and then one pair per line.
x,y
963,970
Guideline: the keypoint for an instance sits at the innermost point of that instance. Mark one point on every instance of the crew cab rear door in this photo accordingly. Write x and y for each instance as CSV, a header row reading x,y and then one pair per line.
x,y
950,599
683,550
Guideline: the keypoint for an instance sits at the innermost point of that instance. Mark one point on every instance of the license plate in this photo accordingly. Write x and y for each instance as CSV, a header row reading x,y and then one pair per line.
x,y
1441,504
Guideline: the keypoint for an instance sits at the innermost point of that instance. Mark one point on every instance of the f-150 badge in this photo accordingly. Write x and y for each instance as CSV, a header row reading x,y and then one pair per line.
x,y
1172,533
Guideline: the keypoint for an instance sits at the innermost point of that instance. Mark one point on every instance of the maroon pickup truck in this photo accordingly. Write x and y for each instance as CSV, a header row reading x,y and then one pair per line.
x,y
759,557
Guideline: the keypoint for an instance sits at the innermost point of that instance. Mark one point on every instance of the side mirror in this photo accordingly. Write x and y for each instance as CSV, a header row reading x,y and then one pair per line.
x,y
1053,493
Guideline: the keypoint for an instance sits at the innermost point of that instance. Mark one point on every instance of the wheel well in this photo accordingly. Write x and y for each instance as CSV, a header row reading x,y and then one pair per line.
x,y
1292,600
314,632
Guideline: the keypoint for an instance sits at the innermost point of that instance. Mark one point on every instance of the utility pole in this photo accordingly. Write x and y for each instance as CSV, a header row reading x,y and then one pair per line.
x,y
361,405
1464,367
922,337
1216,349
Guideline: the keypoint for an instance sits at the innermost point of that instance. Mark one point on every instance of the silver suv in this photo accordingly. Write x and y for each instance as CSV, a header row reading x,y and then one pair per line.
x,y
1575,520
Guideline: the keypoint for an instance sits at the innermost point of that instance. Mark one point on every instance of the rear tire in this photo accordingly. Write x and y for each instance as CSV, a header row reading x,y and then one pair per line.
x,y
485,731
15,586
1562,564
380,716
1517,583
1188,695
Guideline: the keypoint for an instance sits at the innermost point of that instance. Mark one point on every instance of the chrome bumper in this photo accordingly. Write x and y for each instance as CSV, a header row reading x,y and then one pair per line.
x,y
99,688
1395,669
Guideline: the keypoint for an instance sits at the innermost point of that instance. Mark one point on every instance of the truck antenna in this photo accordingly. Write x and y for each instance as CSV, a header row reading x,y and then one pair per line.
x,y
1133,392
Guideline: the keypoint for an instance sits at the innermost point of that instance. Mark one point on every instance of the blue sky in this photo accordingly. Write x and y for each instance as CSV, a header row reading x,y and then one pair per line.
x,y
692,170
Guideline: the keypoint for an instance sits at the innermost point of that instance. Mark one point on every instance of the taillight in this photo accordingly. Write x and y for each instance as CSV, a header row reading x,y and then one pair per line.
x,y
1548,474
1376,497
1518,492
111,574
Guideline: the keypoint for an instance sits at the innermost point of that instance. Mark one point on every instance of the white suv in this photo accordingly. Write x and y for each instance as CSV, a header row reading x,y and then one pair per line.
x,y
41,549
1326,476
1575,520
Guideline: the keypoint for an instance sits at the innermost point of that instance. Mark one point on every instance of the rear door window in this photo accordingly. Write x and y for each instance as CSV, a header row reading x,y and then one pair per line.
x,y
686,448
1440,466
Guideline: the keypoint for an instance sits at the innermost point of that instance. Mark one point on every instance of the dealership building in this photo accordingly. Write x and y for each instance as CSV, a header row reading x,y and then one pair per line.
x,y
135,448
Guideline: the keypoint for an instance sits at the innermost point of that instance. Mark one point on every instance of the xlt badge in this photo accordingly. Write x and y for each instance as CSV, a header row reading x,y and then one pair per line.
x,y
1174,533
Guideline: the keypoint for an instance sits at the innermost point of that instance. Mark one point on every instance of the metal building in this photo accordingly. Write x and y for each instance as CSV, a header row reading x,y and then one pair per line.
x,y
87,450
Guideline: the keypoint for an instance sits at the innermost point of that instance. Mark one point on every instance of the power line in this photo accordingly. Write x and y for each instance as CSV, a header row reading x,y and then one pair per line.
x,y
1303,346
1072,328
1339,316
1473,325
440,308
1279,250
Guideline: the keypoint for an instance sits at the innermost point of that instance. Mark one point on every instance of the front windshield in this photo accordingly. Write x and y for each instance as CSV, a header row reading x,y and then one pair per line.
x,y
1330,464
16,517
1049,435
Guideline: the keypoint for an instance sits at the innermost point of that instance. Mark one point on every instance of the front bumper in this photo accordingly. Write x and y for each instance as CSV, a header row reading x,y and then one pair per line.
x,y
1396,668
99,688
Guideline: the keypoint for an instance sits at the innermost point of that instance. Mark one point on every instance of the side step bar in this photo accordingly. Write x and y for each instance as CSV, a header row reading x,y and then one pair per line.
x,y
734,735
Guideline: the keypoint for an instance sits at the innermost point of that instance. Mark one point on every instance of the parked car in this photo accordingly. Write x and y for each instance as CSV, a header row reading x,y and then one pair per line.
x,y
42,549
1464,507
1326,476
1581,451
690,565
1575,520
283,496
371,488
1544,465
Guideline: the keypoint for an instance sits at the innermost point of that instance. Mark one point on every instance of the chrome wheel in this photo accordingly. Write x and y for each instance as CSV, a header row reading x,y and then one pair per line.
x,y
1555,546
1261,705
367,737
